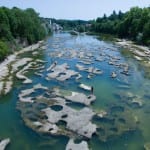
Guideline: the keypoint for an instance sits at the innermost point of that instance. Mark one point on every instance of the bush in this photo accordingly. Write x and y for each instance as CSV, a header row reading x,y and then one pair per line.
x,y
3,50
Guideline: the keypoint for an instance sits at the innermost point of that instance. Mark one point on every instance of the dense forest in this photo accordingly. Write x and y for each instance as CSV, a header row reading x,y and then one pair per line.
x,y
19,26
134,25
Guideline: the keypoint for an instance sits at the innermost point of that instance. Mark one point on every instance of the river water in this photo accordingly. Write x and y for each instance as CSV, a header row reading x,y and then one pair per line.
x,y
125,98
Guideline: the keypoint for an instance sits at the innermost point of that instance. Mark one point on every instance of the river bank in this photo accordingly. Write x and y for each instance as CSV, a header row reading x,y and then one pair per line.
x,y
8,67
138,52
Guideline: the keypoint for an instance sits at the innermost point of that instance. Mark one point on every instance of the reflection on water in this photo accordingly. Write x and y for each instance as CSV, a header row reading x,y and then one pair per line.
x,y
124,98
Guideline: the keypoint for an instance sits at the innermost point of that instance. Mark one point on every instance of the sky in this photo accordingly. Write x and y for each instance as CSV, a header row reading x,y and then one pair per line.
x,y
75,9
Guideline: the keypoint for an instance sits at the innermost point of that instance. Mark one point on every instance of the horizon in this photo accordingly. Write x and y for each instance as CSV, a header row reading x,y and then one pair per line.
x,y
79,10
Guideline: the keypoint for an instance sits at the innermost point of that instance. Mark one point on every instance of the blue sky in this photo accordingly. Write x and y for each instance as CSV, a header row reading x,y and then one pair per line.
x,y
75,9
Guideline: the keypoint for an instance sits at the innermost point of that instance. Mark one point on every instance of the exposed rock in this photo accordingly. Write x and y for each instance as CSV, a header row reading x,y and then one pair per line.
x,y
147,146
20,75
78,76
138,58
24,93
19,63
1,87
85,87
81,146
113,75
89,69
68,74
4,70
39,86
47,127
4,143
8,85
81,98
102,113
75,96
52,66
29,48
77,121
60,69
80,67
139,53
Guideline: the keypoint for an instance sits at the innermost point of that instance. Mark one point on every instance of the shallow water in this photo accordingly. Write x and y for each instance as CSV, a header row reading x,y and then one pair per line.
x,y
109,97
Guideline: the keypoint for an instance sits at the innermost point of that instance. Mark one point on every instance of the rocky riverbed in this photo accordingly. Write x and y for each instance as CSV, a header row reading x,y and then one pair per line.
x,y
52,90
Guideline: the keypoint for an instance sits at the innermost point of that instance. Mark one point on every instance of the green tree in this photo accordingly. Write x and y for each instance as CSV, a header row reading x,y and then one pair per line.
x,y
3,50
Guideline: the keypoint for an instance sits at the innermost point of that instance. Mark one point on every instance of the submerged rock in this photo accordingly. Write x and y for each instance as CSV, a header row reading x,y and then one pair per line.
x,y
102,113
137,101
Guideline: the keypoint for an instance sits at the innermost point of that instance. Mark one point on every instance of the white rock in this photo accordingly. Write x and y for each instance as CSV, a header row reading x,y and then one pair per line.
x,y
81,146
4,143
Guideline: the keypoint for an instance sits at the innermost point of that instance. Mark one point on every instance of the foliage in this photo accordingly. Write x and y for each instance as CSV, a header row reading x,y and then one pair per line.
x,y
134,24
77,25
23,25
3,50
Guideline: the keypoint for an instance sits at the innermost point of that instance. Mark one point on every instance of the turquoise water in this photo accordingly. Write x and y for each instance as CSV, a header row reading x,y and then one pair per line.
x,y
109,97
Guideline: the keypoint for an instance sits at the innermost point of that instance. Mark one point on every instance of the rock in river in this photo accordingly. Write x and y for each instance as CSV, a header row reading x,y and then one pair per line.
x,y
4,143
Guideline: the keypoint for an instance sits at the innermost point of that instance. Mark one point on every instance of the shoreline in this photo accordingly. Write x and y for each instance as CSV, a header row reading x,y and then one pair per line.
x,y
138,52
130,44
6,82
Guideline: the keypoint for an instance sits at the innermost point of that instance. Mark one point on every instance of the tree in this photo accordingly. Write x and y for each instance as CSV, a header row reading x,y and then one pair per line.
x,y
4,26
133,24
3,50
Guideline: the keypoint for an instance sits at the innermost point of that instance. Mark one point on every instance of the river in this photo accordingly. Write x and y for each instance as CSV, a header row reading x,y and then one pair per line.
x,y
125,98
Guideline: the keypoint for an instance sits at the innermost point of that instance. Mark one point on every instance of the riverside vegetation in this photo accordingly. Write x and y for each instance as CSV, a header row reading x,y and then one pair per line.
x,y
19,27
134,25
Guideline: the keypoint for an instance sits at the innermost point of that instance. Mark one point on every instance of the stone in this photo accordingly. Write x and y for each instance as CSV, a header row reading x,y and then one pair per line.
x,y
61,72
67,75
8,85
138,58
1,87
19,63
147,146
102,113
4,143
137,101
77,121
52,66
80,146
113,75
85,87
24,93
81,98
79,76
20,75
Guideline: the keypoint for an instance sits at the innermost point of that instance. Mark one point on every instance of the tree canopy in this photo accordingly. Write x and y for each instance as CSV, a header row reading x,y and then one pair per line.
x,y
134,24
23,25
